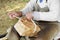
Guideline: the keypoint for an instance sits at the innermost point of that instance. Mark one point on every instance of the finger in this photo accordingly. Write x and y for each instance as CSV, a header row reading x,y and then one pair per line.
x,y
12,16
29,18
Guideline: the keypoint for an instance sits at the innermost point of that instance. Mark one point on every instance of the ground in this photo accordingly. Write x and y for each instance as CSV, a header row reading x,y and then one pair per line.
x,y
5,7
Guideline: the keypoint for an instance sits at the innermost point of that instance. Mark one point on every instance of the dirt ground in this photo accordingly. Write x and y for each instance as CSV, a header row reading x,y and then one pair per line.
x,y
5,7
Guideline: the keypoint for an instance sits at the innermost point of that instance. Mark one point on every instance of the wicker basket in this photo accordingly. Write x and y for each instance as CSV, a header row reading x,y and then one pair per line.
x,y
26,28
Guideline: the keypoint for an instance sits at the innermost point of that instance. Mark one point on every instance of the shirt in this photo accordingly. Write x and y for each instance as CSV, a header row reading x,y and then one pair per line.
x,y
52,15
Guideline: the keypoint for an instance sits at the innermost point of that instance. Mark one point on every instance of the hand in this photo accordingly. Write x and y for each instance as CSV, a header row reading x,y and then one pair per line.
x,y
29,16
14,14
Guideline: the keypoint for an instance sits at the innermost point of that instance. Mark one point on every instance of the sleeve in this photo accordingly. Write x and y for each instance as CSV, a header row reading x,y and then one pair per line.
x,y
48,16
28,7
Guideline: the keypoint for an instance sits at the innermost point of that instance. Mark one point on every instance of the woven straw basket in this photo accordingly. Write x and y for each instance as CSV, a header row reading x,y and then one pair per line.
x,y
26,28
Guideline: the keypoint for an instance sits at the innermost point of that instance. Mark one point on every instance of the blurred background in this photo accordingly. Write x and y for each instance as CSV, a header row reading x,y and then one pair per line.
x,y
5,7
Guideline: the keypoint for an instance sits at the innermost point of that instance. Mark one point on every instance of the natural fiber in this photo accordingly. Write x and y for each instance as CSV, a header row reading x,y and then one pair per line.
x,y
26,28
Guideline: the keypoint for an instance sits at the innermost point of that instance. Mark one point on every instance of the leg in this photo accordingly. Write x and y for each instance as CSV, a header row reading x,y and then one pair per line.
x,y
51,29
12,35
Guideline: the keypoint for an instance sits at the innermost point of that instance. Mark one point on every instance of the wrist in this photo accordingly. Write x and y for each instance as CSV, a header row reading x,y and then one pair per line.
x,y
19,13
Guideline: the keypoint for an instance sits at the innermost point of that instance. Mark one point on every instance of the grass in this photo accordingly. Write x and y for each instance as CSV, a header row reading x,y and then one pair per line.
x,y
5,7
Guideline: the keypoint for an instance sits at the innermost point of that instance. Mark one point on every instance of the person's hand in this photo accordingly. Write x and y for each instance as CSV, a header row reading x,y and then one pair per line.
x,y
13,14
29,16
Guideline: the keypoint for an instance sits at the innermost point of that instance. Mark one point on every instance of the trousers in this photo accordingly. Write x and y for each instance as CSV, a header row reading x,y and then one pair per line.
x,y
48,31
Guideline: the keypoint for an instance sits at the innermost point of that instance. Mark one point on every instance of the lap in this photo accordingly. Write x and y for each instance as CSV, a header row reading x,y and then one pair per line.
x,y
49,30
